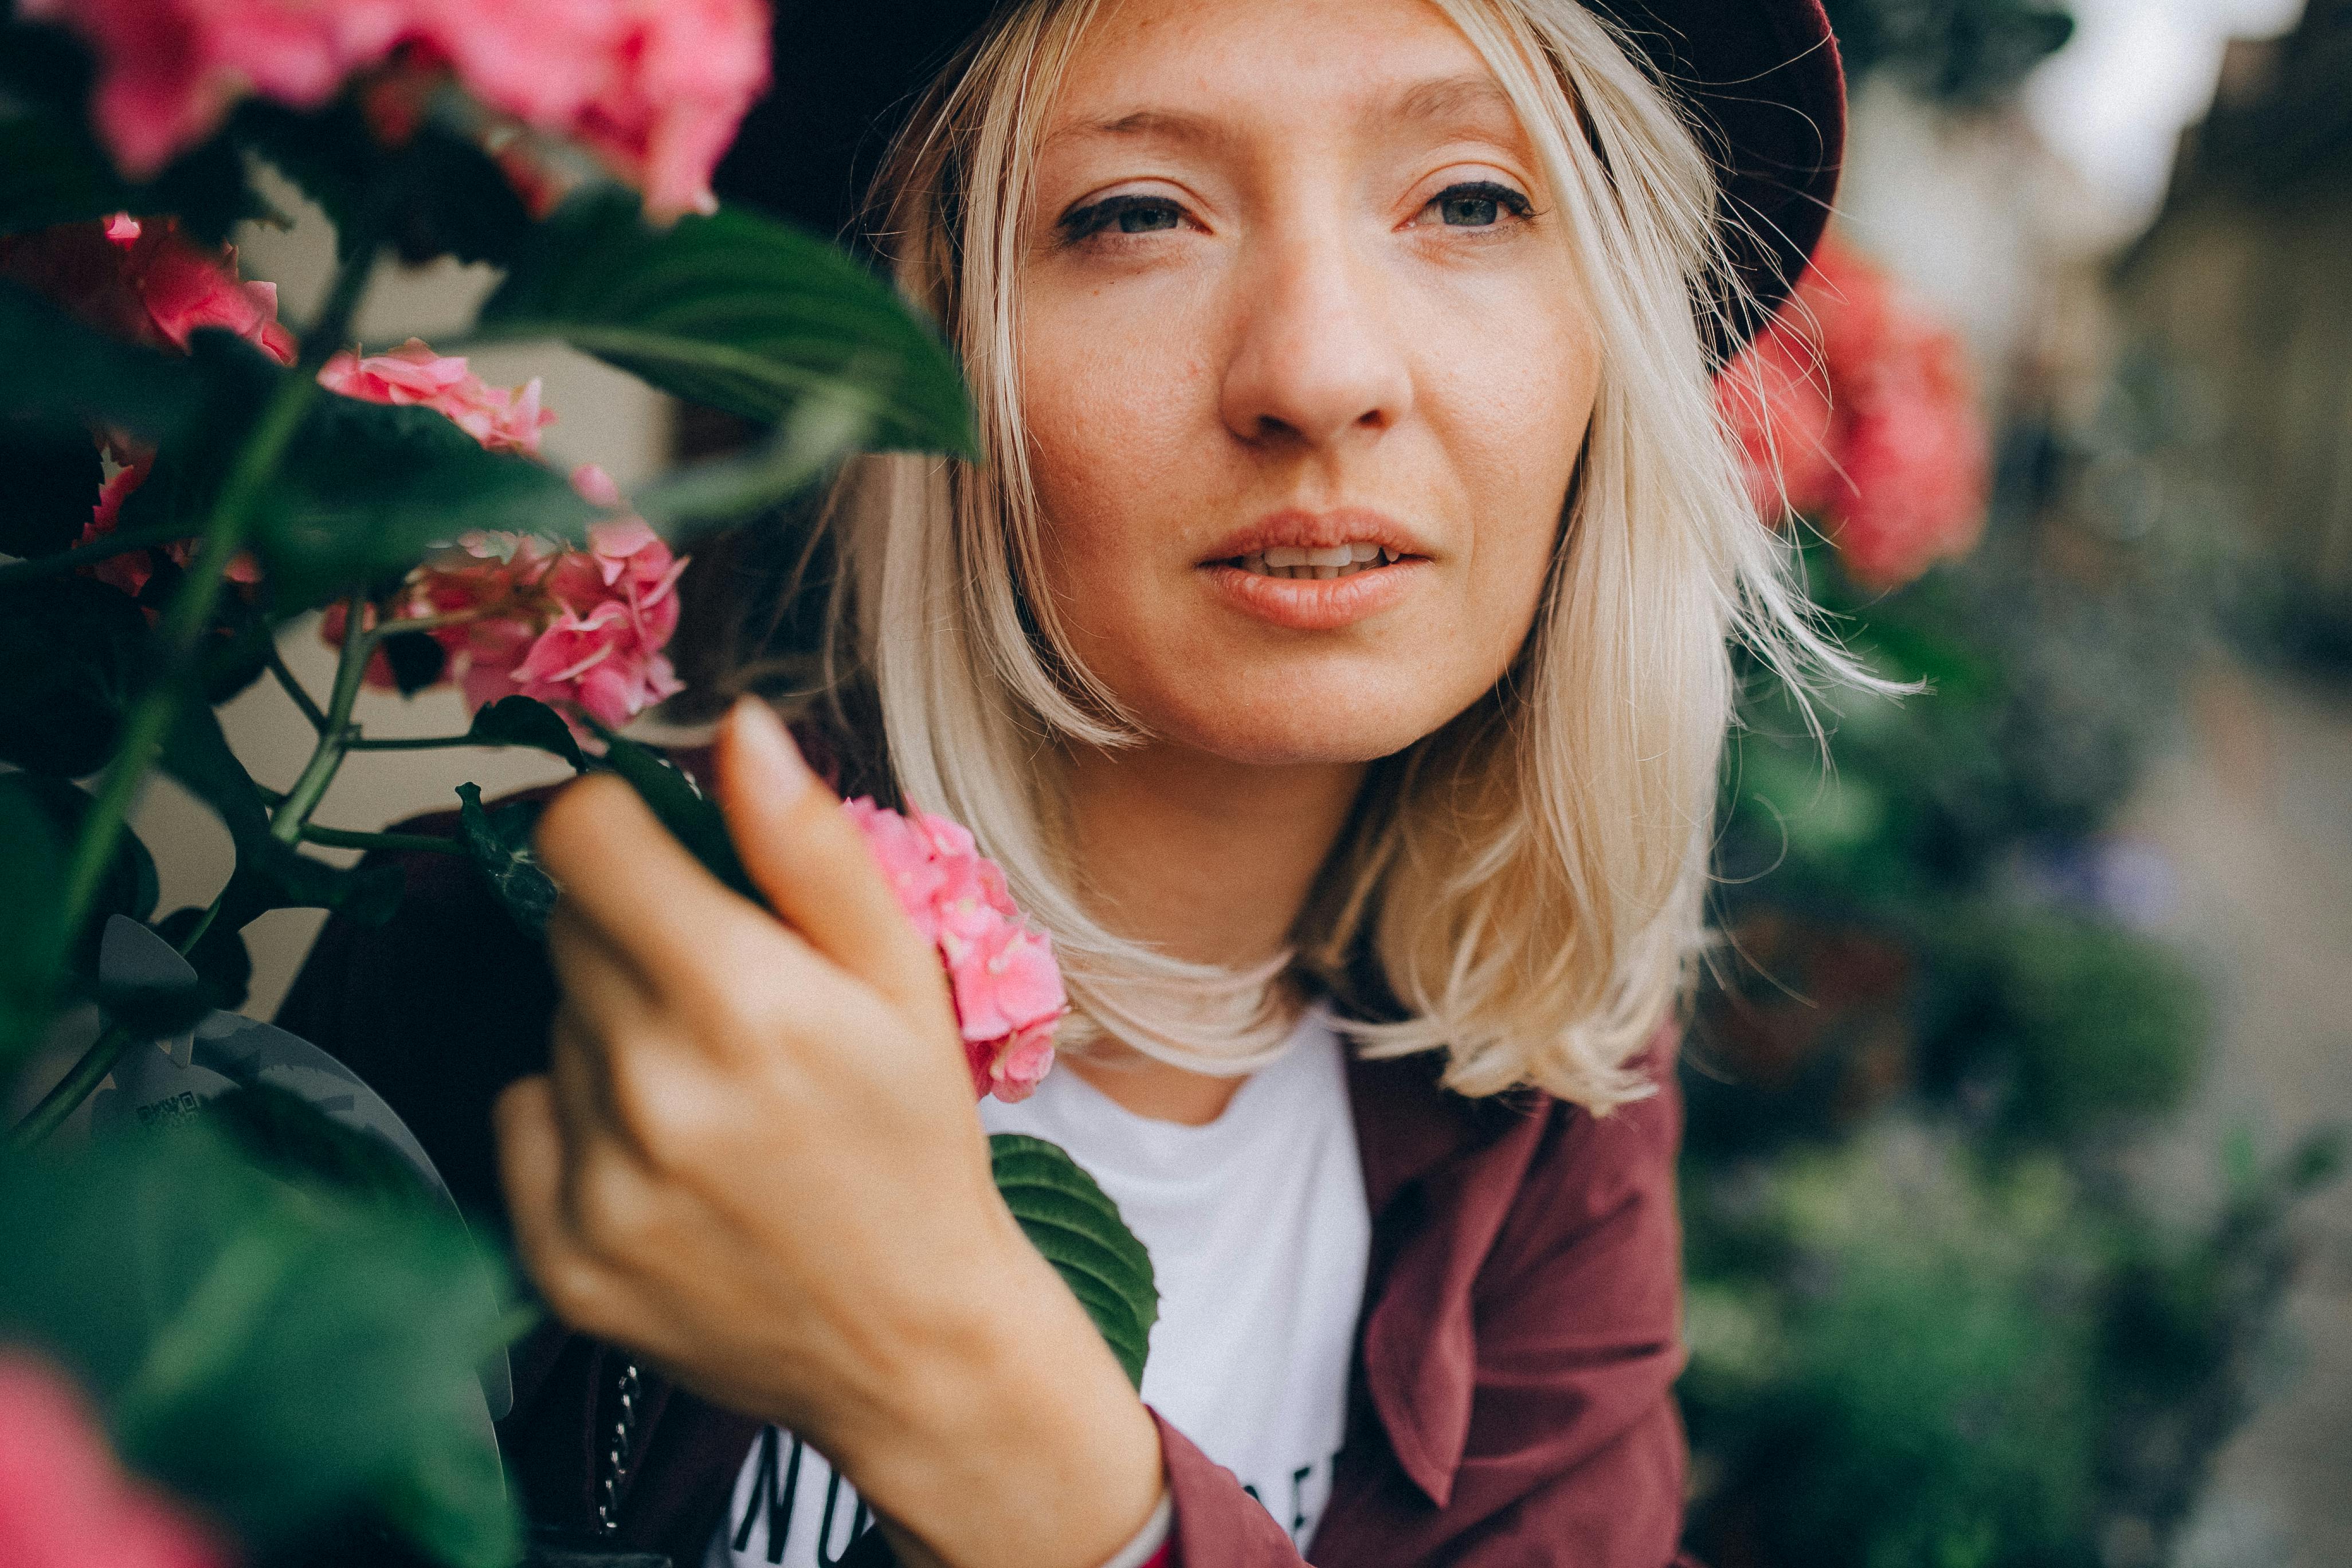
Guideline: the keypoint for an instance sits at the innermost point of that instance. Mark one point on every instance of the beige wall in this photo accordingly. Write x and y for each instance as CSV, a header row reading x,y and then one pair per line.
x,y
602,416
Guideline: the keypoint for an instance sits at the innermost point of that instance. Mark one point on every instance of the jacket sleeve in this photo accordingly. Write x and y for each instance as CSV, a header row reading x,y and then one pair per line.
x,y
1575,1454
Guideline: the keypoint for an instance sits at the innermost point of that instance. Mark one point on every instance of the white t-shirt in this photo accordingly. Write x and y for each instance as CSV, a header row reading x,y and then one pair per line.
x,y
1259,1233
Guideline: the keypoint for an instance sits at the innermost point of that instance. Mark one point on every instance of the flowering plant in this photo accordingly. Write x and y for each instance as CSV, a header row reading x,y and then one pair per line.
x,y
265,1320
1856,408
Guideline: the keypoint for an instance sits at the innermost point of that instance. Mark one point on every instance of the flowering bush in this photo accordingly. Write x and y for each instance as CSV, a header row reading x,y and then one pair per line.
x,y
653,88
64,1501
1856,409
1008,991
190,479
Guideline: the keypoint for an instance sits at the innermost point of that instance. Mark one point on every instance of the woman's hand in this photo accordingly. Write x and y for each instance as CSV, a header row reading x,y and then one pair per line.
x,y
754,1160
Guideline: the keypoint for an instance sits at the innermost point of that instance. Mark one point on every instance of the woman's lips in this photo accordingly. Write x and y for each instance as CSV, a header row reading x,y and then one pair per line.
x,y
1316,603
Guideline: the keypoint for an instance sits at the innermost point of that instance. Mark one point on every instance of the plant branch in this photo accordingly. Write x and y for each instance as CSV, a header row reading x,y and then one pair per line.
x,y
85,1075
293,813
295,689
414,743
341,839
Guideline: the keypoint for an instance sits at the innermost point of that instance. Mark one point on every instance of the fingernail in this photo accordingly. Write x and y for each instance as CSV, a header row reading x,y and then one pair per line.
x,y
767,748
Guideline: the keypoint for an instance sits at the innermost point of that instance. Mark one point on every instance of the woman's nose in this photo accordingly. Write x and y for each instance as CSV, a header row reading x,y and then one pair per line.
x,y
1316,360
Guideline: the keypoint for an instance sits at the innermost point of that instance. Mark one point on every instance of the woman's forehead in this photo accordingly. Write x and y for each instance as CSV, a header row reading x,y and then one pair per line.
x,y
1211,69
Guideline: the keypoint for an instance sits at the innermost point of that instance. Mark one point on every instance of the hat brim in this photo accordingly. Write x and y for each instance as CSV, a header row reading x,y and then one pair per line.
x,y
1762,77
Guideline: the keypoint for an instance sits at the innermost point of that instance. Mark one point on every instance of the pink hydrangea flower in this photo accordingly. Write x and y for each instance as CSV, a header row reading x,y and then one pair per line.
x,y
1007,988
653,88
581,630
1866,408
507,420
132,570
144,280
65,1502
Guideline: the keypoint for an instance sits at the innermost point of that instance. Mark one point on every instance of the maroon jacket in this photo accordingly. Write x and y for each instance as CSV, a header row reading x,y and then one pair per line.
x,y
1511,1401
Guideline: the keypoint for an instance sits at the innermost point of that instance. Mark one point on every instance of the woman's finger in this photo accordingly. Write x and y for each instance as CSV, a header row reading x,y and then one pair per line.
x,y
809,859
623,873
531,1163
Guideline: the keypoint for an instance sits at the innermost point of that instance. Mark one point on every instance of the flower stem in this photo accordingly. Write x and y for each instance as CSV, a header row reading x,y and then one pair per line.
x,y
339,839
149,719
414,743
293,813
295,689
73,1089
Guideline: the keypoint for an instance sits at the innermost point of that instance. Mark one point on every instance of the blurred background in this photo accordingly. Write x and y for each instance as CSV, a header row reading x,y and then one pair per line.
x,y
2016,1095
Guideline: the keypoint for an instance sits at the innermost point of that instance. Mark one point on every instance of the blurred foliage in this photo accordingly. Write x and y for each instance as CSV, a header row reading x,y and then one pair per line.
x,y
1931,1321
1961,52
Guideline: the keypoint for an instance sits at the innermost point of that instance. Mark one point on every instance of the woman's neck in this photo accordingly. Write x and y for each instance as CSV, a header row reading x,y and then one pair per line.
x,y
1208,860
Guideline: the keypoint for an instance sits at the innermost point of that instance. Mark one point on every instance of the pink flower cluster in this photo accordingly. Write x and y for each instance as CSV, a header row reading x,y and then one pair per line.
x,y
1861,408
64,1501
508,421
1008,990
655,88
147,282
578,629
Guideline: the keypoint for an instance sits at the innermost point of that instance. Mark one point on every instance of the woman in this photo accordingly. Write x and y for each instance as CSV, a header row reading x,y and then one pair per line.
x,y
1333,652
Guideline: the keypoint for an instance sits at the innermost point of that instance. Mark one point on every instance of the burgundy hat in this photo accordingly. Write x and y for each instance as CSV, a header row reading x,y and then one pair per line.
x,y
1762,75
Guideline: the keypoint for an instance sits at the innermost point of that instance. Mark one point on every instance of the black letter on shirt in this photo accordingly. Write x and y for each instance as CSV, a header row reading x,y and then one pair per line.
x,y
780,1506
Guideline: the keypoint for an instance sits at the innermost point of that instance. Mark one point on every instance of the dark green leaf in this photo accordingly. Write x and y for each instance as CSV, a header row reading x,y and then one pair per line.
x,y
52,170
500,842
32,927
366,489
692,817
443,196
721,491
418,662
1073,1222
527,722
72,654
85,376
221,960
52,481
280,1355
739,312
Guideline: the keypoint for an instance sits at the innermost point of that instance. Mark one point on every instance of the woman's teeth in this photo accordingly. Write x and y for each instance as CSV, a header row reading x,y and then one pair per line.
x,y
1337,561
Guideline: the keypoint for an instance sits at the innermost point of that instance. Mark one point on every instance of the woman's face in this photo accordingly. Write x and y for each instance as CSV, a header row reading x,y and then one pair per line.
x,y
1295,285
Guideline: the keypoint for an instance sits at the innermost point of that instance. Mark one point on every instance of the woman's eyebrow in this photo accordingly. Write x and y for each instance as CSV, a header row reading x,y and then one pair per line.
x,y
1472,100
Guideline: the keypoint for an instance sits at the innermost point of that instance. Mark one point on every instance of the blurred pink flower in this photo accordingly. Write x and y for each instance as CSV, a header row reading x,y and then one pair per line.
x,y
144,280
1862,407
1008,990
653,88
65,1502
502,421
132,570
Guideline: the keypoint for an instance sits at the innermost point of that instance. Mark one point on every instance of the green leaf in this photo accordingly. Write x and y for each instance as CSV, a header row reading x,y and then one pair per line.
x,y
736,312
281,1132
527,722
693,818
368,489
32,926
86,377
52,170
500,842
721,491
281,1355
443,196
221,961
418,662
1070,1219
53,480
73,653
269,875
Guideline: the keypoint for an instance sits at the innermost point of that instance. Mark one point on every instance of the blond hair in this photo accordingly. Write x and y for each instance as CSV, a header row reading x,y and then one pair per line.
x,y
1528,883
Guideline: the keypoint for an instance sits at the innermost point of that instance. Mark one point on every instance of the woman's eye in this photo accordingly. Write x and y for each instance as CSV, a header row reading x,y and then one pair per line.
x,y
1478,205
1122,215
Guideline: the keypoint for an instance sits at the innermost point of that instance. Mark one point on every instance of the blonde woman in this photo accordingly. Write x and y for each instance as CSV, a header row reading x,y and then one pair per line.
x,y
1334,651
